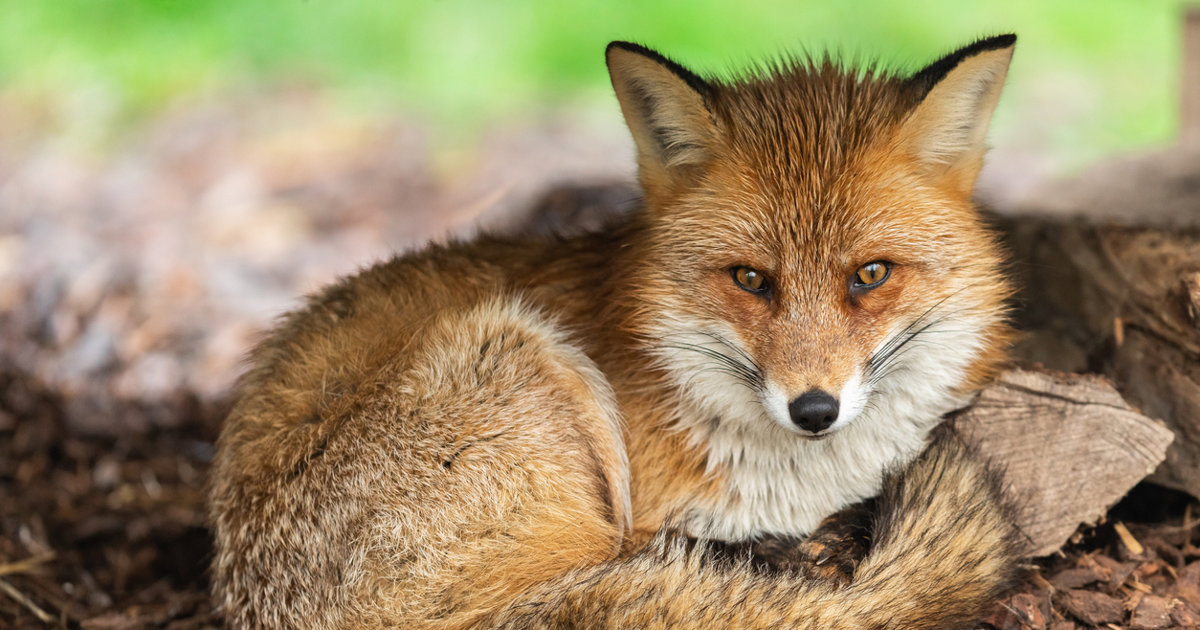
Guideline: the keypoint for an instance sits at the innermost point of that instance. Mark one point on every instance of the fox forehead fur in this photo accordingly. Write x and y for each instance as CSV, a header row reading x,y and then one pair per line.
x,y
805,173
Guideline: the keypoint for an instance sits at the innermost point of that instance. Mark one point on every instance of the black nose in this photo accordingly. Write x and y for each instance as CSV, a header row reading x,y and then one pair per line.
x,y
814,410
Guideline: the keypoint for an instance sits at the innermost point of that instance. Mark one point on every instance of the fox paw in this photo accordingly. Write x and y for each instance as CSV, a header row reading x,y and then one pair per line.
x,y
830,554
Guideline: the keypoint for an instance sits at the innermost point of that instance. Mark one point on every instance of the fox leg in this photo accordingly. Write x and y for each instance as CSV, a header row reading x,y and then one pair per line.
x,y
486,459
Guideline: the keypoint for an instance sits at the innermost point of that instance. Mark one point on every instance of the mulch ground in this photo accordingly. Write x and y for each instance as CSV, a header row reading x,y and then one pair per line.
x,y
136,270
103,532
99,532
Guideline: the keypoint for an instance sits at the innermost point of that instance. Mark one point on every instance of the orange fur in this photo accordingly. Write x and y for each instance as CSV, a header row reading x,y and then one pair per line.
x,y
493,432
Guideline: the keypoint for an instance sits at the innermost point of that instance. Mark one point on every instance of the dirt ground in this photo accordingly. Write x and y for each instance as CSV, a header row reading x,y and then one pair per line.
x,y
136,270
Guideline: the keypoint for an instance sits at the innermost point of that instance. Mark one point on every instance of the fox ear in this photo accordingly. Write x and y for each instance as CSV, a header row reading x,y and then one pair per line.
x,y
664,106
946,130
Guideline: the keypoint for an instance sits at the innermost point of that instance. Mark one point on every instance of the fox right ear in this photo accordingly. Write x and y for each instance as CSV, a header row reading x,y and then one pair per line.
x,y
946,130
664,106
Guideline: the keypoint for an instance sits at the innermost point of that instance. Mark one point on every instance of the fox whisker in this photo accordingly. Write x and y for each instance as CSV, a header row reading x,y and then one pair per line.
x,y
750,376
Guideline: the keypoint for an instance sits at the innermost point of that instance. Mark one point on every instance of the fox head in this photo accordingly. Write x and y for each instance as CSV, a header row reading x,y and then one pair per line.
x,y
810,258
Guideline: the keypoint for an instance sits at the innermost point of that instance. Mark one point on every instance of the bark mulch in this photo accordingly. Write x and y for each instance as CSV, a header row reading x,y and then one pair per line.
x,y
103,532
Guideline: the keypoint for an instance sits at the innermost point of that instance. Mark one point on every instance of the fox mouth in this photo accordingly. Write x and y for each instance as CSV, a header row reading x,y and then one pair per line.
x,y
809,436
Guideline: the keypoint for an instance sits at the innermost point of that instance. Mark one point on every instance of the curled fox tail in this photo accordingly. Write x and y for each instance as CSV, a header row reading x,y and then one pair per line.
x,y
945,549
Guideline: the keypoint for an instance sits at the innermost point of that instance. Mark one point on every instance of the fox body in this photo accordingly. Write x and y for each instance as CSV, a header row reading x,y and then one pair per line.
x,y
492,433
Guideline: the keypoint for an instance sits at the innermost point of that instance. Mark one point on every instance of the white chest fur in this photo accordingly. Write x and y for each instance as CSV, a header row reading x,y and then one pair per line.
x,y
779,483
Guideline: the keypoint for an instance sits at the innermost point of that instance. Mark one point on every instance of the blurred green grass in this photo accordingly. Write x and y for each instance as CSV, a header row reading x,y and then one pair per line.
x,y
1104,72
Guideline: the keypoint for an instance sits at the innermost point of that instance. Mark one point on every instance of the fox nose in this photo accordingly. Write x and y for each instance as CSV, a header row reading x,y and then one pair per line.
x,y
814,410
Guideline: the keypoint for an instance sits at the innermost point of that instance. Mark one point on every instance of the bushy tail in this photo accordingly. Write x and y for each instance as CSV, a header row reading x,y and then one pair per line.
x,y
944,551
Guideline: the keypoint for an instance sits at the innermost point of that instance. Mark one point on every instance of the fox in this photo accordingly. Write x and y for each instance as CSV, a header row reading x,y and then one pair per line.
x,y
555,431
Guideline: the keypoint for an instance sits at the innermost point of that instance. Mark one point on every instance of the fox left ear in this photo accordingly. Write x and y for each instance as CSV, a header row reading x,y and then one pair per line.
x,y
665,107
946,130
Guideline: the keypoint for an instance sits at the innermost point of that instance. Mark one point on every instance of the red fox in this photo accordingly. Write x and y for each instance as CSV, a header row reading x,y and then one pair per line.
x,y
536,432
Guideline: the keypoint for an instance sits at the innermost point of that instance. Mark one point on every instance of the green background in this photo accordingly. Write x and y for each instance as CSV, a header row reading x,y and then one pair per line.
x,y
1089,78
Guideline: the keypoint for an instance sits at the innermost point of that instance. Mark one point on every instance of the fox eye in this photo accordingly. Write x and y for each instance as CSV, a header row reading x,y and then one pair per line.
x,y
871,275
749,279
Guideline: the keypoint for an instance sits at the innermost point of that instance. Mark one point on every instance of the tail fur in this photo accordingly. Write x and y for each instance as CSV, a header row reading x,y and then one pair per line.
x,y
944,551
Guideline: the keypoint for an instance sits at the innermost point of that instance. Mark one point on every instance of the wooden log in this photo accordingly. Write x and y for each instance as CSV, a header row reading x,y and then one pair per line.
x,y
1068,445
1109,273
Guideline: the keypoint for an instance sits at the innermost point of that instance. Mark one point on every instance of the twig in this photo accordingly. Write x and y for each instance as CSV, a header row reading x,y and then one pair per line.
x,y
1127,538
12,592
27,565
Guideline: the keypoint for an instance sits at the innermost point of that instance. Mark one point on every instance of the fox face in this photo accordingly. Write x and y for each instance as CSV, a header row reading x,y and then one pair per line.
x,y
813,270
809,301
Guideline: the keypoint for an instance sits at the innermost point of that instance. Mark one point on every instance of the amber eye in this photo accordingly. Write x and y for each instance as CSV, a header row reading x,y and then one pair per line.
x,y
872,274
749,279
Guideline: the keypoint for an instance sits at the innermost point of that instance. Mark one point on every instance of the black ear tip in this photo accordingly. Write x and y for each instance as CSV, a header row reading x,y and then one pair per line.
x,y
999,41
934,72
627,47
623,45
692,79
985,44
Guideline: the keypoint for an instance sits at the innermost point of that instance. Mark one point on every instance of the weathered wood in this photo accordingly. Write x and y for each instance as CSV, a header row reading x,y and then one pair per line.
x,y
1069,447
1109,273
1166,384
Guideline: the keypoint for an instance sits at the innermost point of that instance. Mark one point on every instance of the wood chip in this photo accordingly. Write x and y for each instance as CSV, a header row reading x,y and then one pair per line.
x,y
27,565
1147,569
1151,613
1041,583
20,598
1076,578
1189,593
1185,615
1190,574
1128,540
1091,607
1191,286
1003,617
1022,611
1138,586
1119,571
1027,607
1135,598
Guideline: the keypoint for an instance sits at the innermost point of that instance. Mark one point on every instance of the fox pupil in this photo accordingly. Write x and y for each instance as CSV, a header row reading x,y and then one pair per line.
x,y
749,279
872,274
